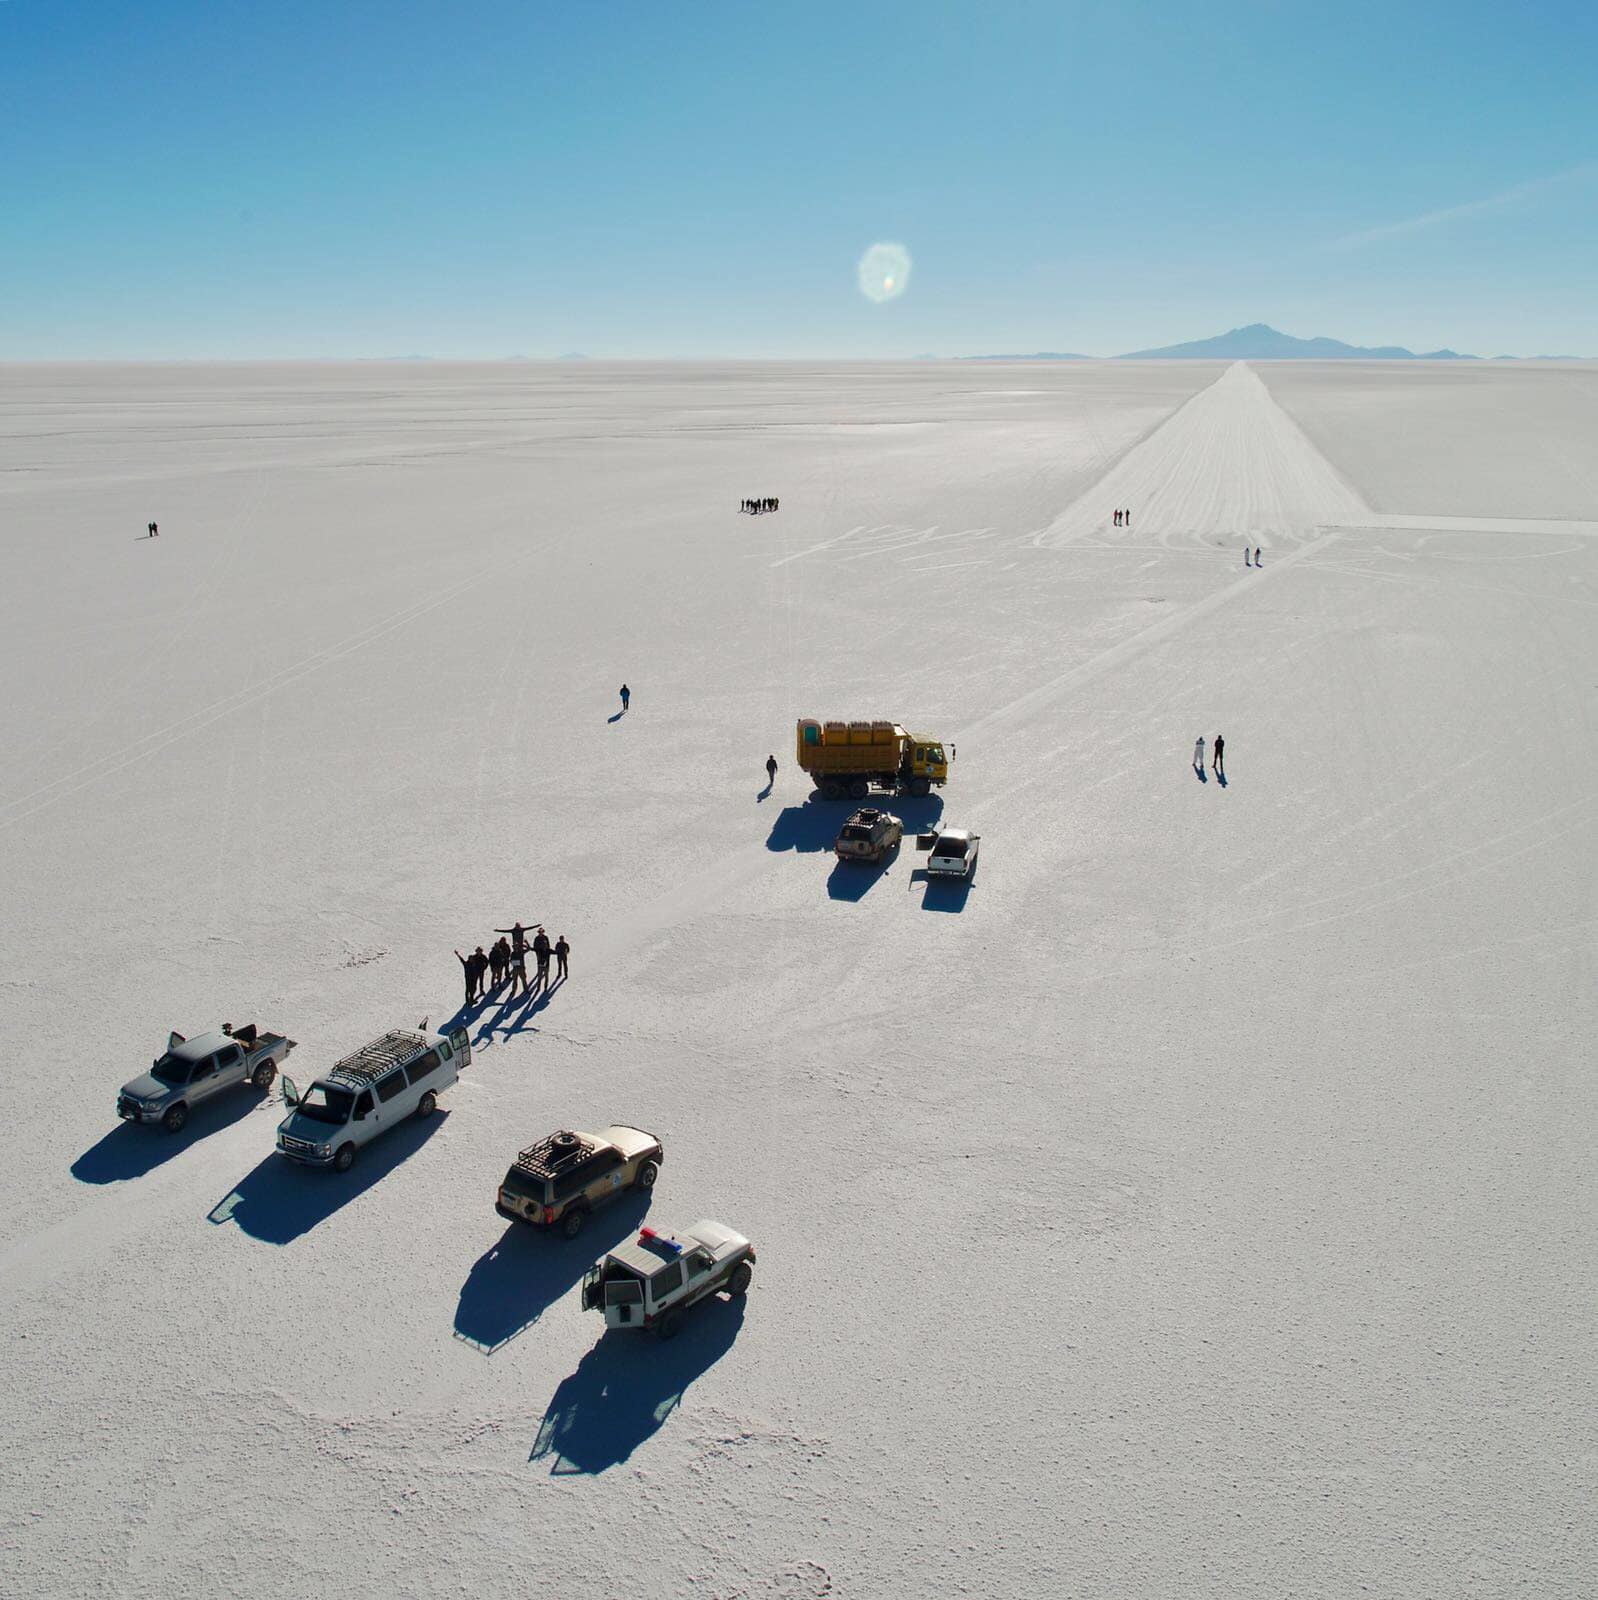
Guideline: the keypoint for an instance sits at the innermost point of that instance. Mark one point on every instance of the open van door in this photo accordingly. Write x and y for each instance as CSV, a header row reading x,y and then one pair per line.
x,y
291,1092
461,1044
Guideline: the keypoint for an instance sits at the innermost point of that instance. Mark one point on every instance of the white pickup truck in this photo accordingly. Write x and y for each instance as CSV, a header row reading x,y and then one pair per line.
x,y
950,852
192,1070
651,1283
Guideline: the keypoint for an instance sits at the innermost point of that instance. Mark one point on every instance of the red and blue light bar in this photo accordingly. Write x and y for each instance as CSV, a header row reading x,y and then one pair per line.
x,y
649,1236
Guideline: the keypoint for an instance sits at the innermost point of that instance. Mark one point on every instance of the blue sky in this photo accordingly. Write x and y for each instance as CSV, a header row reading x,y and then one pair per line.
x,y
281,179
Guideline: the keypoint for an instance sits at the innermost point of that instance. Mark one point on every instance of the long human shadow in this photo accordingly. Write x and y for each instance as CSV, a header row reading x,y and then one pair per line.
x,y
280,1200
617,717
626,1387
943,894
815,824
130,1150
1202,778
515,1282
516,1012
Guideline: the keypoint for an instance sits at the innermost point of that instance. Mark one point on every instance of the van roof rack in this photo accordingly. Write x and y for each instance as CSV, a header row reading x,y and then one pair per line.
x,y
372,1060
550,1156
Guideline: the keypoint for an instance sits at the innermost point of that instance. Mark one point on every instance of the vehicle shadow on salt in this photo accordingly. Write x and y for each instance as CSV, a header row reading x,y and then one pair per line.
x,y
513,1284
280,1200
130,1150
626,1387
854,880
815,824
942,894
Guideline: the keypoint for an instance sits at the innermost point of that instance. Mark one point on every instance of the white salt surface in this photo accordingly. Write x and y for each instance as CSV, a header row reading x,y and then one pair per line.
x,y
1202,1205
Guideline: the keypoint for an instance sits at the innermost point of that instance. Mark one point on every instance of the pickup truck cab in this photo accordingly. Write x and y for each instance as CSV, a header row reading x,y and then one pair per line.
x,y
951,852
869,835
369,1093
193,1070
650,1283
559,1181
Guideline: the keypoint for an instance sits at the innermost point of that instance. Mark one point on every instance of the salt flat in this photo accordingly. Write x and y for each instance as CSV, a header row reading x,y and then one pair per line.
x,y
1203,1204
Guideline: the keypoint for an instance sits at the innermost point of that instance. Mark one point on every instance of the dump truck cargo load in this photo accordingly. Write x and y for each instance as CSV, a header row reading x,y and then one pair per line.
x,y
849,759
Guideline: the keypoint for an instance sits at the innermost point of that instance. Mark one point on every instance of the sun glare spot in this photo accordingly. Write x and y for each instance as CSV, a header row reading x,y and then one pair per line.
x,y
884,271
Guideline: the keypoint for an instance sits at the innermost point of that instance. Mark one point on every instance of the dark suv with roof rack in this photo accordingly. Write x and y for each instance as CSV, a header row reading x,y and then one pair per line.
x,y
558,1181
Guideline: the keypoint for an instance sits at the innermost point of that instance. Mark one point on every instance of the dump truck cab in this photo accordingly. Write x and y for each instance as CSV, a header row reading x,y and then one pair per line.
x,y
926,759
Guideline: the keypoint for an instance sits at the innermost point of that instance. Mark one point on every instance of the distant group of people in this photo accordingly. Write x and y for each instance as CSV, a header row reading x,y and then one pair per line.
x,y
770,503
1256,562
486,970
152,530
1123,519
1217,754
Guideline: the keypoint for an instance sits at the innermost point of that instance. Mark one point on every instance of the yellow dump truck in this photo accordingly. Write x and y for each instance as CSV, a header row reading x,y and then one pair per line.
x,y
850,758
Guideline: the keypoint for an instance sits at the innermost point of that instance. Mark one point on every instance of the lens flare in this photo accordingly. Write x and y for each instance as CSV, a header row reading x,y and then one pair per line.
x,y
884,271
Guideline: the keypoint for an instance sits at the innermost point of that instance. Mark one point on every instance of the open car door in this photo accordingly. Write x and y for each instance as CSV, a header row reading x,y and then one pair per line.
x,y
462,1046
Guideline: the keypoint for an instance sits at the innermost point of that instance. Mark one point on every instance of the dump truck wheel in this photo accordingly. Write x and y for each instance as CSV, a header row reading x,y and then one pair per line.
x,y
859,789
921,787
831,789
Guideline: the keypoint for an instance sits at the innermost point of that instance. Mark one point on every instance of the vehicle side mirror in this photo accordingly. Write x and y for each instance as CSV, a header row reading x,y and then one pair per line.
x,y
291,1092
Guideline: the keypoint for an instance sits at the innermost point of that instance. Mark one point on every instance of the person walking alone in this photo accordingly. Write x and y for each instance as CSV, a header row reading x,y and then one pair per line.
x,y
562,950
771,772
626,696
1219,762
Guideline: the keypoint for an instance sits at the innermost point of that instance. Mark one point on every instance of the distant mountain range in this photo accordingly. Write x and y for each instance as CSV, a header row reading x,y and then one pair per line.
x,y
1257,342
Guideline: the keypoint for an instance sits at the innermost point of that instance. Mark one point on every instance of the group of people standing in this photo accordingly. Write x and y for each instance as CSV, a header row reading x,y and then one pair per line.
x,y
507,959
1123,519
1256,562
152,530
770,503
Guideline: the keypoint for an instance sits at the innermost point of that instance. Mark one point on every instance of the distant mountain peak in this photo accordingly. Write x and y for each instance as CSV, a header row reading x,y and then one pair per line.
x,y
1258,341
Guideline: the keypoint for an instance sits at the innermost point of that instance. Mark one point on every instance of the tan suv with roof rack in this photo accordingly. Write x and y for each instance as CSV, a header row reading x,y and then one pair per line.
x,y
557,1182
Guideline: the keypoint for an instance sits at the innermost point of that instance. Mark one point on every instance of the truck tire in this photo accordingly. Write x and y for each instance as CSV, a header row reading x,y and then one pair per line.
x,y
647,1173
859,789
263,1075
921,787
426,1106
831,789
669,1325
175,1119
738,1283
572,1223
344,1158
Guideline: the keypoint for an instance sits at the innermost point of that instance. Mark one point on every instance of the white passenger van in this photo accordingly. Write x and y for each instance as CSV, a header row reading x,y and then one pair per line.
x,y
366,1094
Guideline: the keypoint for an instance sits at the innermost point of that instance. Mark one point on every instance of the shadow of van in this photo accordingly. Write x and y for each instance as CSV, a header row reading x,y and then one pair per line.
x,y
280,1200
